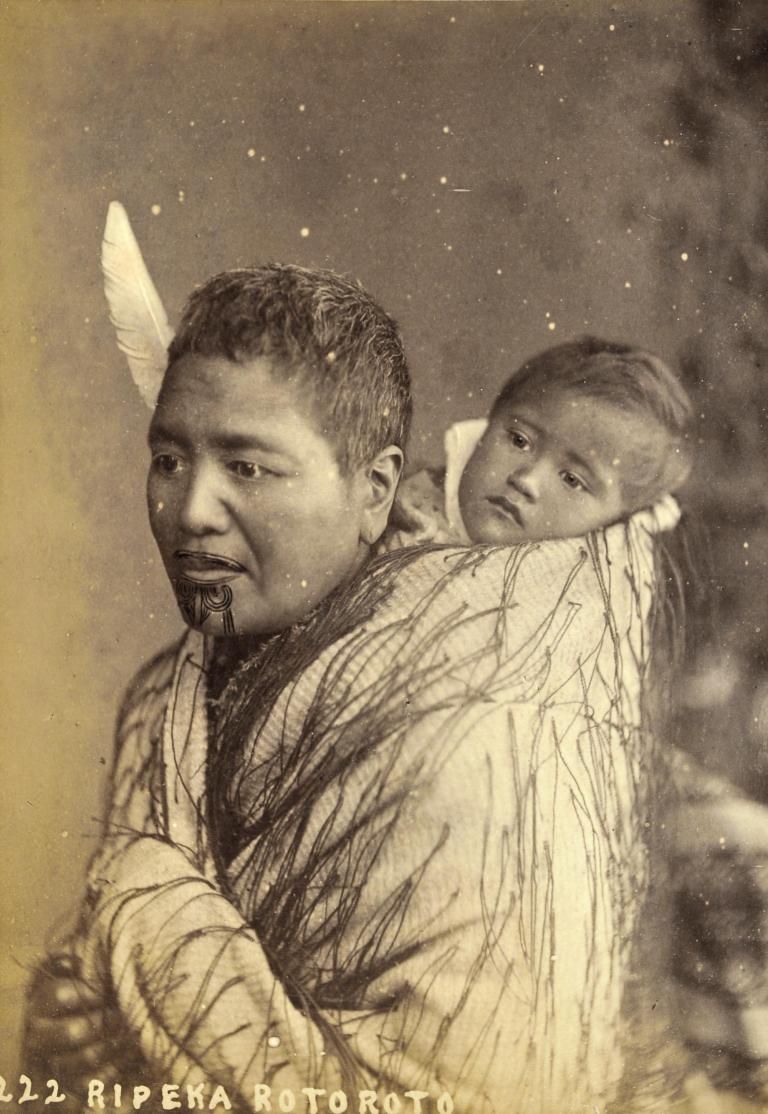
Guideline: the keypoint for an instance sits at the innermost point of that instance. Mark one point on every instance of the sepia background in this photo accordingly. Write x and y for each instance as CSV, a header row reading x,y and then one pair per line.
x,y
502,176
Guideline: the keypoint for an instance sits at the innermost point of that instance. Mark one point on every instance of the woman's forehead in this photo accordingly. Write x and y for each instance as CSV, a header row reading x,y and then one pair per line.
x,y
216,400
215,386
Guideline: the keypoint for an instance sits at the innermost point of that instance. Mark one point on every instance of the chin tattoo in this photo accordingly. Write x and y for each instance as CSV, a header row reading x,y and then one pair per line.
x,y
197,602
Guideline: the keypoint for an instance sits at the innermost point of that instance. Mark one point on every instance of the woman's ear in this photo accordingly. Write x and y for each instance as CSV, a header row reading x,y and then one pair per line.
x,y
677,467
381,477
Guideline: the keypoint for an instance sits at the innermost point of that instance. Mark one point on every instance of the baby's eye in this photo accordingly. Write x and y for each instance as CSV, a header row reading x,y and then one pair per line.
x,y
166,463
248,469
518,439
571,480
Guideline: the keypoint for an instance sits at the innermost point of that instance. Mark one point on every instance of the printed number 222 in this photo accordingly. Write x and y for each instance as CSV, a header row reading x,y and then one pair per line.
x,y
54,1094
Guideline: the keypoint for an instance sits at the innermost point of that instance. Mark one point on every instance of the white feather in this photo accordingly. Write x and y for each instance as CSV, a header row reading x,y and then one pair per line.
x,y
135,309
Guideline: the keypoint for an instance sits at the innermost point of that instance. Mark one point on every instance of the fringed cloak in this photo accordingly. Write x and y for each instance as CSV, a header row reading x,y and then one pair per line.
x,y
414,853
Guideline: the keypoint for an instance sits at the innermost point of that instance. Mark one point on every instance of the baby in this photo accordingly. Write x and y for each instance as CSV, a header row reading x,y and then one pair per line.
x,y
584,434
579,437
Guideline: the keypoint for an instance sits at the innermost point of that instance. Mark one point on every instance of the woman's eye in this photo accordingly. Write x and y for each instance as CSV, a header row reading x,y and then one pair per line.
x,y
570,479
247,469
519,440
166,463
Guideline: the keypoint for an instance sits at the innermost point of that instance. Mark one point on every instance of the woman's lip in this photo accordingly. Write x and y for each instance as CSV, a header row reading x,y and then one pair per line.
x,y
192,561
211,576
507,506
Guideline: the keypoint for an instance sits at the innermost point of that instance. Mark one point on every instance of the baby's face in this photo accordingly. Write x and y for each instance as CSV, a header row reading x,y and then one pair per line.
x,y
549,467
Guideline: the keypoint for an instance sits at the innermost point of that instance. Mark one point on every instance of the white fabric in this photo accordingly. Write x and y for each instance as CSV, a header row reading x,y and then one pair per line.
x,y
460,442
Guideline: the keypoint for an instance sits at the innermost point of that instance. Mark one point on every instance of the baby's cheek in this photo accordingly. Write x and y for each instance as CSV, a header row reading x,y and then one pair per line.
x,y
467,510
484,527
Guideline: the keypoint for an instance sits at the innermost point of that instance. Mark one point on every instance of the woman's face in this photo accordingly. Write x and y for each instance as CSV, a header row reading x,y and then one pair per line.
x,y
254,521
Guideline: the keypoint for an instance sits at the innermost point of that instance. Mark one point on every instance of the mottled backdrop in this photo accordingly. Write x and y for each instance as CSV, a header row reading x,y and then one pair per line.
x,y
501,175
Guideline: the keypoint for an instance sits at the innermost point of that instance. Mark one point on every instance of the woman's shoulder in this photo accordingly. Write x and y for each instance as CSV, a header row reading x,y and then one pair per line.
x,y
479,576
443,607
150,686
564,593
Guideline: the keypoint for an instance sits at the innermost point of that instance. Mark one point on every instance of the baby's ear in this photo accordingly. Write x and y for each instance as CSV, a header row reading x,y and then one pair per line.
x,y
677,467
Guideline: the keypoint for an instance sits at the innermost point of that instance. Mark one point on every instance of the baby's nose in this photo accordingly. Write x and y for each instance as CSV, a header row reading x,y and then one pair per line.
x,y
523,480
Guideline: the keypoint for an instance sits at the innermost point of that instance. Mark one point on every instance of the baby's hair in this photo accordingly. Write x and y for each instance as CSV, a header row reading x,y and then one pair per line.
x,y
629,378
321,331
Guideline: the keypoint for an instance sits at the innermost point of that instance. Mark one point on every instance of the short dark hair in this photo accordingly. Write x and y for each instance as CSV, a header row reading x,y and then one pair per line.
x,y
327,331
630,378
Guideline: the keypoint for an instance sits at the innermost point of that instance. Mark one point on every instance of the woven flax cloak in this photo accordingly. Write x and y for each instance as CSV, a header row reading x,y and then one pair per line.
x,y
416,853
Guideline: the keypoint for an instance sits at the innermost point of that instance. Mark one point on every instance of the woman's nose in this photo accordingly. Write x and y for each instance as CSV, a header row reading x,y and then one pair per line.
x,y
203,510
